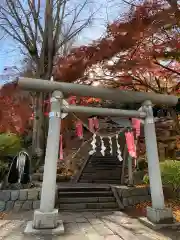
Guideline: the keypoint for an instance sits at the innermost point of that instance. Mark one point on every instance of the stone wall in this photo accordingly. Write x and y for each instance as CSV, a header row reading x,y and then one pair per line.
x,y
16,200
130,196
28,199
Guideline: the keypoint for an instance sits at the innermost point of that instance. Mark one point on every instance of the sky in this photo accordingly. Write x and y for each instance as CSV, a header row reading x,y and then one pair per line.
x,y
108,10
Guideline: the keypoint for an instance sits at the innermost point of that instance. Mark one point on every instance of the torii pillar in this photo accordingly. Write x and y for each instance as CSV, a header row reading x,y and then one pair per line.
x,y
158,213
45,219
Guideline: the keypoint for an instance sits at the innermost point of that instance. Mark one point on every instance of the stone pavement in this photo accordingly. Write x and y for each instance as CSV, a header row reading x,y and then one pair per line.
x,y
87,226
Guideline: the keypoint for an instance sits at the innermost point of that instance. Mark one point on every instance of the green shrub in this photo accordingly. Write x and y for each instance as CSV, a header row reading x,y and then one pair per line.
x,y
10,144
170,174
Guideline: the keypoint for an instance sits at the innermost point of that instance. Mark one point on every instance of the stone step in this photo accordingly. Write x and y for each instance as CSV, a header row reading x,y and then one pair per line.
x,y
104,161
101,168
100,176
85,199
104,164
88,206
84,188
103,181
84,194
104,158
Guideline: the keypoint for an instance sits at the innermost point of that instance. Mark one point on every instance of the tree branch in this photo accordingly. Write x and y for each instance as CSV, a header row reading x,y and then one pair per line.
x,y
14,14
167,68
58,22
28,21
35,13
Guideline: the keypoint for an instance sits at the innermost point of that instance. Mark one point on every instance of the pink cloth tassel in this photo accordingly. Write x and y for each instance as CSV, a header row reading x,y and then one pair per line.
x,y
96,123
61,149
136,124
79,129
91,125
130,144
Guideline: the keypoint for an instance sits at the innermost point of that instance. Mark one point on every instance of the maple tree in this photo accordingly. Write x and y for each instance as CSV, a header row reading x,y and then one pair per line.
x,y
152,64
124,43
140,52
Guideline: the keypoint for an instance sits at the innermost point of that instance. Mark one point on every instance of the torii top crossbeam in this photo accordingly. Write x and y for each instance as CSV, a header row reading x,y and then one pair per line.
x,y
116,95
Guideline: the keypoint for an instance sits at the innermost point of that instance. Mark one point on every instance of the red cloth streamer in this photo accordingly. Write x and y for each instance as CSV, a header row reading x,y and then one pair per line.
x,y
96,123
72,100
61,148
91,124
79,129
136,123
130,144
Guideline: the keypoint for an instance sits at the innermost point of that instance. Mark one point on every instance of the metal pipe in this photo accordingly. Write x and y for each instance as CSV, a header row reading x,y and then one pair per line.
x,y
103,111
116,95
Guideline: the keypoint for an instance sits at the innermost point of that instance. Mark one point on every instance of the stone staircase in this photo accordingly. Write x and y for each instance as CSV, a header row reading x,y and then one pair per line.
x,y
101,169
79,197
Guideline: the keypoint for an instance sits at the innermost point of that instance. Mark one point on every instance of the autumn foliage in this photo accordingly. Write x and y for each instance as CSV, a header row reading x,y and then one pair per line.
x,y
15,110
139,40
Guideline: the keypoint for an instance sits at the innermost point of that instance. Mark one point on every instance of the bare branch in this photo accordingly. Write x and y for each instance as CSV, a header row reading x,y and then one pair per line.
x,y
35,13
58,22
43,28
27,19
14,36
70,33
12,7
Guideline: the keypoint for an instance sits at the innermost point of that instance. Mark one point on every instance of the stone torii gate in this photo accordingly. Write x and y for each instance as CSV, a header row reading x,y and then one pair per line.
x,y
46,218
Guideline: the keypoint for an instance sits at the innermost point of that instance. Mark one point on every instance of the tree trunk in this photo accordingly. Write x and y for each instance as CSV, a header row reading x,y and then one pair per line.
x,y
176,121
38,139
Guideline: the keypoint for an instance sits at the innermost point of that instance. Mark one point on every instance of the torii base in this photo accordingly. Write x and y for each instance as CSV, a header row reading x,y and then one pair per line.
x,y
159,218
45,224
